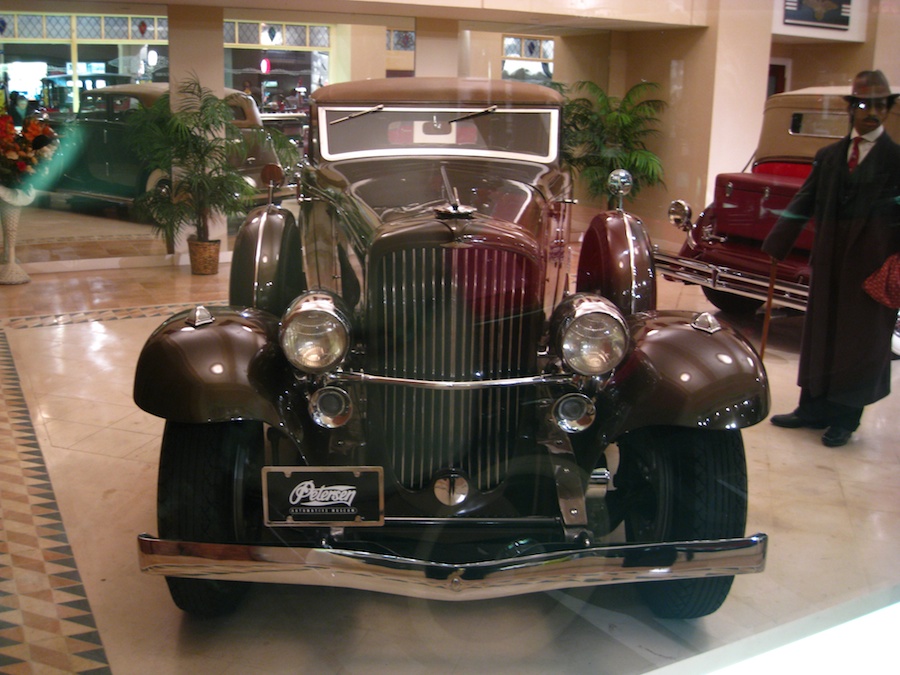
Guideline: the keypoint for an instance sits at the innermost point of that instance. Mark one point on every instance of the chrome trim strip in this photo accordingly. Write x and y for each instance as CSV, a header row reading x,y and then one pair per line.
x,y
632,265
260,235
341,377
417,578
751,285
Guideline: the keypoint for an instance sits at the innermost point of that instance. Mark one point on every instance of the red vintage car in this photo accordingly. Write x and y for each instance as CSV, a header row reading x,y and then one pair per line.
x,y
721,251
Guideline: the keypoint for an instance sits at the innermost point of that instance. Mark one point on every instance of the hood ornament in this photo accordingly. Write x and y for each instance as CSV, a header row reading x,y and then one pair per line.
x,y
456,218
453,210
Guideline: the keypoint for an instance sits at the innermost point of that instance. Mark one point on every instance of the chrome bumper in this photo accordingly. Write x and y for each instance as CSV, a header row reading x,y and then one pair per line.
x,y
425,579
730,280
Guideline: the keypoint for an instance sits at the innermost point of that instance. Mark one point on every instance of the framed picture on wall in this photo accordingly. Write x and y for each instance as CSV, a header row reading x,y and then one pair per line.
x,y
818,13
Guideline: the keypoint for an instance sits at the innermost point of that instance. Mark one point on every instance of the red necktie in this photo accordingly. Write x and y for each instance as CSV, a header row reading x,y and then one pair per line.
x,y
853,160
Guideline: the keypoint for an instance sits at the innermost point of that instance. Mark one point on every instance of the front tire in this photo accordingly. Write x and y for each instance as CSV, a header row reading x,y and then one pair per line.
x,y
683,484
210,491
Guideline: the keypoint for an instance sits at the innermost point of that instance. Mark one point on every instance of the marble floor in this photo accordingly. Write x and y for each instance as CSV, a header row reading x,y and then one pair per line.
x,y
77,484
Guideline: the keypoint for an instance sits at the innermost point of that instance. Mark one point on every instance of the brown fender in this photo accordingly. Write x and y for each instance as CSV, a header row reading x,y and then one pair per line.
x,y
682,376
229,369
267,266
616,261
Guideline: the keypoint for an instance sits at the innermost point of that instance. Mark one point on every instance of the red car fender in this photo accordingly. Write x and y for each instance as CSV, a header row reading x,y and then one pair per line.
x,y
683,376
616,262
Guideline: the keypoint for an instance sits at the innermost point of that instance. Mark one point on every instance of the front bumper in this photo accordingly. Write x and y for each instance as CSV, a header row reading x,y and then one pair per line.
x,y
730,280
425,579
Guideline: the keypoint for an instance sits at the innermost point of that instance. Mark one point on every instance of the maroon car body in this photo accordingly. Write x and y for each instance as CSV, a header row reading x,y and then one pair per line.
x,y
721,251
413,391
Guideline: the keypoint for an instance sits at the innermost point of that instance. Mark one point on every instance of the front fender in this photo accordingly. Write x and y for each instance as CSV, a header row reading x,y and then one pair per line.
x,y
616,261
682,376
229,369
267,269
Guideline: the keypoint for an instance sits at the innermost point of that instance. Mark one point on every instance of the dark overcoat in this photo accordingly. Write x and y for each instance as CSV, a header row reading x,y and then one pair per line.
x,y
846,349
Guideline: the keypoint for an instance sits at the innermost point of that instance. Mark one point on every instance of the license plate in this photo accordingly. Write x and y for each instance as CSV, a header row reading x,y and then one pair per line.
x,y
295,496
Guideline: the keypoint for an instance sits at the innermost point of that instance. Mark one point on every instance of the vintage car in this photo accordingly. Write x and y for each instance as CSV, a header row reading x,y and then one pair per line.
x,y
57,93
414,389
721,251
294,125
96,160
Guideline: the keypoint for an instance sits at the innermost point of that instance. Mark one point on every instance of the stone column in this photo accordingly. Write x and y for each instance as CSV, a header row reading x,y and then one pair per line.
x,y
437,48
195,48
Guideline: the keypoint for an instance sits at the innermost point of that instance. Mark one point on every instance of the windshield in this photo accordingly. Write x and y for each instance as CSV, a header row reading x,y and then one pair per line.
x,y
347,132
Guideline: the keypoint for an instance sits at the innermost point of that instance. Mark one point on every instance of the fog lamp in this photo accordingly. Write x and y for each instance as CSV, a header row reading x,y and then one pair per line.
x,y
315,334
574,412
330,407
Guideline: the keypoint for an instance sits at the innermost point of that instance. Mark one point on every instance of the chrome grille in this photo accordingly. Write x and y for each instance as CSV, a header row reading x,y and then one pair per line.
x,y
451,314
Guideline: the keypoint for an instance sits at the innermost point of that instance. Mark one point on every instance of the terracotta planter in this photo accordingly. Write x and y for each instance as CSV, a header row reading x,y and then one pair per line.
x,y
204,256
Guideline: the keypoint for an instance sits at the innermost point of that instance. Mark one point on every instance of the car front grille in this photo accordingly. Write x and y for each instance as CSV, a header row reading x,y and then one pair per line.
x,y
451,314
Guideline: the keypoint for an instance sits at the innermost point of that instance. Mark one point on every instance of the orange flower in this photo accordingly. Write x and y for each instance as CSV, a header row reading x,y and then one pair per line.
x,y
23,153
32,128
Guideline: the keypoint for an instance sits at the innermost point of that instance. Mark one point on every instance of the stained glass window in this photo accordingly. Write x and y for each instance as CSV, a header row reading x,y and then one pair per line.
x,y
115,28
528,58
319,36
58,27
31,26
143,28
404,40
295,35
248,33
88,27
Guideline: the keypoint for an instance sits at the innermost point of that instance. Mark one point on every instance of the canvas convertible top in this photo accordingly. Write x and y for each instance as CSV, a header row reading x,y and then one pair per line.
x,y
471,91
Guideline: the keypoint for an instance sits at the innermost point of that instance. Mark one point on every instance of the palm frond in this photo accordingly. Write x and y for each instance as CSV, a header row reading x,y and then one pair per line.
x,y
602,133
199,146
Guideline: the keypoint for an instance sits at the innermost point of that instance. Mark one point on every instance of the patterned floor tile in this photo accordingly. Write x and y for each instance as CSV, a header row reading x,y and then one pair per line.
x,y
46,623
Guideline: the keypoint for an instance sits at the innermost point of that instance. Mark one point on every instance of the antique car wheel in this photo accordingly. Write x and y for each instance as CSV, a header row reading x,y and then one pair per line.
x,y
731,303
209,491
683,484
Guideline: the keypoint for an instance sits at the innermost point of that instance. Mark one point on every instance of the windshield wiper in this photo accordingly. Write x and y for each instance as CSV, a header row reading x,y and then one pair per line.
x,y
477,113
358,114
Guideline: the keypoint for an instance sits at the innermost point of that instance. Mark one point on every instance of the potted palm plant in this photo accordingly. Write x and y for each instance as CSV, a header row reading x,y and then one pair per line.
x,y
602,133
196,145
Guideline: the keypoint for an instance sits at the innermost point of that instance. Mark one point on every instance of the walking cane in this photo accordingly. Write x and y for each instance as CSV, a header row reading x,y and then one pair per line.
x,y
768,316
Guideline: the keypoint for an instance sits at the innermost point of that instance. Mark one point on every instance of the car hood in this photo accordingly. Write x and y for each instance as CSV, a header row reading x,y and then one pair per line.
x,y
405,191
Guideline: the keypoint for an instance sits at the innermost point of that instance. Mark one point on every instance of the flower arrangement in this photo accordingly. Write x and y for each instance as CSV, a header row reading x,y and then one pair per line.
x,y
23,154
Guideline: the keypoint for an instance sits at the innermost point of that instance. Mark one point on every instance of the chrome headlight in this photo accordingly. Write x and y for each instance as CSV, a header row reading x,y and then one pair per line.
x,y
315,334
590,333
680,214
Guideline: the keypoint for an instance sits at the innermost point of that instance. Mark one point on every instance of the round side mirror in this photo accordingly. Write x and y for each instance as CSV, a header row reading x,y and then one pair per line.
x,y
620,184
680,214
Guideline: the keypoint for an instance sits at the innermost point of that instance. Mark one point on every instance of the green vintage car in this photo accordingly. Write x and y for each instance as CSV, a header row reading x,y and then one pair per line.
x,y
96,160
